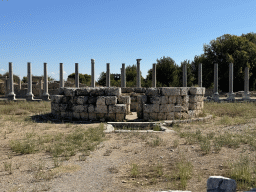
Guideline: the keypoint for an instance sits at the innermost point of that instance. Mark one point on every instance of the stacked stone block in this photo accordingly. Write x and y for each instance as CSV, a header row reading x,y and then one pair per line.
x,y
167,103
90,104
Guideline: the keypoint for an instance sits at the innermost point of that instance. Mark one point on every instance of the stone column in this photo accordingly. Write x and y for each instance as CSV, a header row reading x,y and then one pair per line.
x,y
123,75
108,75
40,87
138,82
92,73
76,75
6,86
154,75
61,75
11,95
184,82
246,94
200,75
216,94
19,86
231,95
29,95
45,94
122,83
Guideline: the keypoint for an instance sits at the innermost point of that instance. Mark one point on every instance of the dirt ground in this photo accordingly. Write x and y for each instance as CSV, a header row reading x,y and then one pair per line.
x,y
155,162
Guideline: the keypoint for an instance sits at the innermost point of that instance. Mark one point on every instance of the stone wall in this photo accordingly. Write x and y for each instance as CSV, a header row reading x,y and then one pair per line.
x,y
110,104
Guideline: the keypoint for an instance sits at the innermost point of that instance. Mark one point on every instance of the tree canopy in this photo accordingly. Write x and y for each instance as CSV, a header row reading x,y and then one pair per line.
x,y
83,78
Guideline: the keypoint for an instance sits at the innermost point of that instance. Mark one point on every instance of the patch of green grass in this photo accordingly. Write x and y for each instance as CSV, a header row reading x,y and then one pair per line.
x,y
134,170
155,142
184,172
156,127
8,167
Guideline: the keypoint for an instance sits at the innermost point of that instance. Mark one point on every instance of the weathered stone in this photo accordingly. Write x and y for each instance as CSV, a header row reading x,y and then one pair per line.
x,y
92,116
133,99
100,116
83,91
153,116
111,116
113,91
67,100
76,115
170,116
154,99
182,99
92,100
196,106
161,116
142,99
152,92
97,91
196,90
80,100
101,100
169,91
184,90
195,98
111,108
172,99
127,89
146,116
139,89
166,108
124,100
111,100
120,116
63,107
56,98
101,109
221,184
69,91
151,108
120,108
91,108
164,100
86,108
55,106
61,91
84,115
78,108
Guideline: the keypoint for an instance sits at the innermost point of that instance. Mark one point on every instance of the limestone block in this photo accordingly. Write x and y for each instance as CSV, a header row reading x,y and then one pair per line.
x,y
101,109
152,92
195,98
169,91
80,100
166,108
134,99
124,100
180,100
151,108
127,89
83,91
92,116
53,111
69,91
140,89
67,100
56,98
120,108
197,90
184,90
100,116
55,106
221,184
76,115
133,107
111,100
142,99
63,107
172,99
61,90
161,116
111,116
113,91
101,100
197,106
97,91
178,108
84,115
111,109
120,116
78,108
91,108
146,116
63,114
153,116
128,109
164,100
170,116
92,100
154,99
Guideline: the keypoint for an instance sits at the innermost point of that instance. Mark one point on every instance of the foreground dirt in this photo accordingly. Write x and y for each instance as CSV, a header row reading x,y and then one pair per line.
x,y
108,168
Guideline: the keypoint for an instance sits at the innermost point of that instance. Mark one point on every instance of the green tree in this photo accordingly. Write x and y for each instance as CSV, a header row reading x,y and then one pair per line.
x,y
241,50
83,78
15,77
190,75
167,73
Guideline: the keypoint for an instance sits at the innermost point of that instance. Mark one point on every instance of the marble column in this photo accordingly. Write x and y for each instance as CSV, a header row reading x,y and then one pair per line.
x,y
11,95
246,94
231,95
19,86
138,80
154,75
122,84
40,87
45,95
6,86
215,94
123,75
184,82
108,75
76,75
92,73
200,75
61,75
29,95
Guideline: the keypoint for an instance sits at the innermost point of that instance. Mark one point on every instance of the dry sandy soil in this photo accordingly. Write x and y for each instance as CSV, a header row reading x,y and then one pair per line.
x,y
108,168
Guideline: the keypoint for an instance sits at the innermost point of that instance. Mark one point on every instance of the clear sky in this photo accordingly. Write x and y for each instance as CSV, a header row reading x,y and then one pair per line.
x,y
113,31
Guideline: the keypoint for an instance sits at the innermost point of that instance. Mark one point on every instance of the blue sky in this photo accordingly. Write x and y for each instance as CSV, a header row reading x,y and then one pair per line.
x,y
113,31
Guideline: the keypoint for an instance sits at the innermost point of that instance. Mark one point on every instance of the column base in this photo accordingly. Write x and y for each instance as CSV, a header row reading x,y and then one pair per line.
x,y
45,97
215,97
246,96
231,97
11,96
29,97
